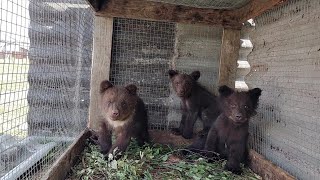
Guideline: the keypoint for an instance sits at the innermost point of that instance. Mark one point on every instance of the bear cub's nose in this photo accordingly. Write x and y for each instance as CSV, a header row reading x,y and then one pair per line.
x,y
115,113
238,116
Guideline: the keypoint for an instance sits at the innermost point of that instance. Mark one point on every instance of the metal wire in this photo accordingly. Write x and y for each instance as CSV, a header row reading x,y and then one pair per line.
x,y
45,61
284,63
143,52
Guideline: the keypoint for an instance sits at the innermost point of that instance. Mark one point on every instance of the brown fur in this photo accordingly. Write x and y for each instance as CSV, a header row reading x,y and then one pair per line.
x,y
197,102
124,114
229,134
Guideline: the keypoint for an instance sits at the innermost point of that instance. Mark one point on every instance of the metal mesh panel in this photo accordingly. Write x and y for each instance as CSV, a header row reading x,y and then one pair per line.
x,y
285,64
141,54
216,4
45,61
143,51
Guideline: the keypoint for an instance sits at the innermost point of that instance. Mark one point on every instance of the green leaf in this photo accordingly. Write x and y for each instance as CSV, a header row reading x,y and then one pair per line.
x,y
165,158
114,164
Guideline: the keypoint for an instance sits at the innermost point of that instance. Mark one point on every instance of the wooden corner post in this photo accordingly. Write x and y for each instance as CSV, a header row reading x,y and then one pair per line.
x,y
229,56
101,59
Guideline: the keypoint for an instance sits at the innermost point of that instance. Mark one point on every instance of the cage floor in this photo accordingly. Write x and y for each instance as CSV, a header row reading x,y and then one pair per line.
x,y
156,161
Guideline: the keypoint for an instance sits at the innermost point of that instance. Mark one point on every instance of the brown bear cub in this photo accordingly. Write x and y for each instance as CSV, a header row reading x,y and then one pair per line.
x,y
196,100
228,135
123,113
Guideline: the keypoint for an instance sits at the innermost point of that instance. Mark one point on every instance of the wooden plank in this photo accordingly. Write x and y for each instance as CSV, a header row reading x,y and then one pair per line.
x,y
167,138
66,161
148,10
255,8
102,44
266,169
228,57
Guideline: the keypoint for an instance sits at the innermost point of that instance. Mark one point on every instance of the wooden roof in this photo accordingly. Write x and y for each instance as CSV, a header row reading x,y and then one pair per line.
x,y
161,11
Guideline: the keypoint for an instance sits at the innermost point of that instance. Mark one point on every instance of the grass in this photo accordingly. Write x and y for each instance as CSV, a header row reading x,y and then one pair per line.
x,y
13,100
14,73
150,162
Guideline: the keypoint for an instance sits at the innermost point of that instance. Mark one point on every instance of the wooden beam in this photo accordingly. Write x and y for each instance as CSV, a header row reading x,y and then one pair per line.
x,y
67,160
102,44
266,169
167,138
254,9
148,10
228,57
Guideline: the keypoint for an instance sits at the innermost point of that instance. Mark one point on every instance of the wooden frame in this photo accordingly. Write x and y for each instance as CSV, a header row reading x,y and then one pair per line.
x,y
143,9
228,57
63,165
266,169
255,8
100,64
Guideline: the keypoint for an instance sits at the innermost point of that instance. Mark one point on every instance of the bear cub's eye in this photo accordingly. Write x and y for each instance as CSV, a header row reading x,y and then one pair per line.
x,y
123,104
245,106
108,102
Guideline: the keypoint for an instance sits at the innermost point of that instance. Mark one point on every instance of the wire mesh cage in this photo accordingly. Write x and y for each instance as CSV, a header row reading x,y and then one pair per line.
x,y
45,81
45,72
143,52
284,63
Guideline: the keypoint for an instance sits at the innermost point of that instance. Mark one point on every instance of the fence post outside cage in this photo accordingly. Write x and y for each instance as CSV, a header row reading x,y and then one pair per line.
x,y
102,44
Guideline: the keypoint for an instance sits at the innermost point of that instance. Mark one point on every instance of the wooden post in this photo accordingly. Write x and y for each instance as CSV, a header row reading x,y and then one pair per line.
x,y
102,44
228,57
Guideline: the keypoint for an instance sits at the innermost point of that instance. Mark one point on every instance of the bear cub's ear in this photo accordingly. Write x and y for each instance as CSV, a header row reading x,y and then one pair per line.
x,y
254,96
195,75
225,91
104,85
132,89
172,73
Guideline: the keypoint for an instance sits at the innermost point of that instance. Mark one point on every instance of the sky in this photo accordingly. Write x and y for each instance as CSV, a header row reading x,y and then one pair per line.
x,y
14,22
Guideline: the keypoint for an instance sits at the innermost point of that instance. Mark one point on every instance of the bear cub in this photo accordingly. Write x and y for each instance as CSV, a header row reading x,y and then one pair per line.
x,y
124,114
196,101
228,135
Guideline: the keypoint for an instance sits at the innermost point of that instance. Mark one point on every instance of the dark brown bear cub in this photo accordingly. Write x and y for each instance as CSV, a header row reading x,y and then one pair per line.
x,y
196,100
123,113
229,134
